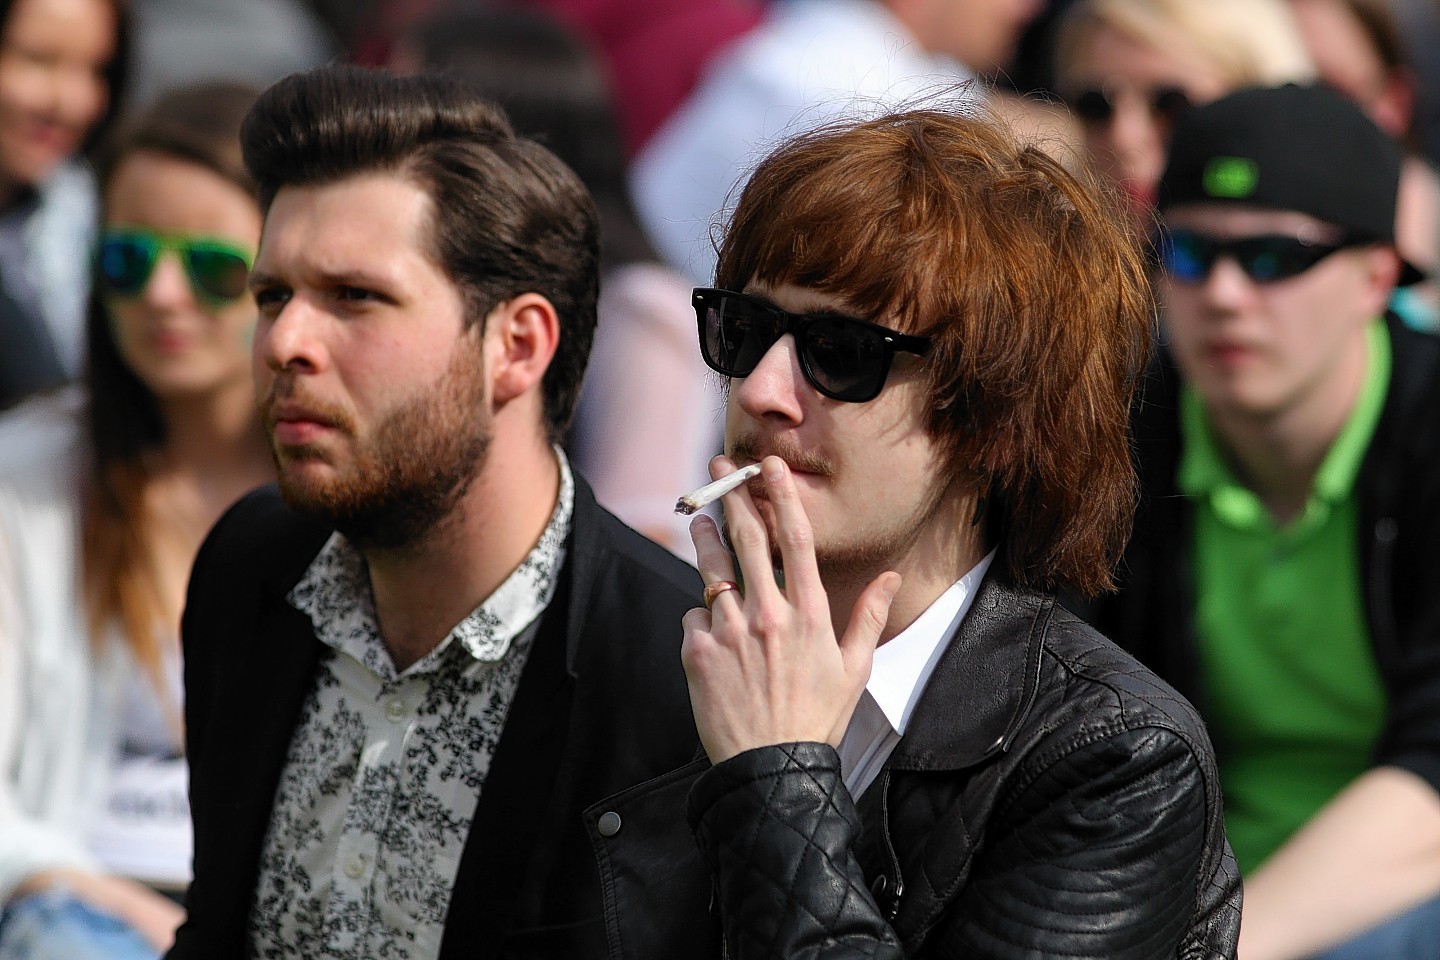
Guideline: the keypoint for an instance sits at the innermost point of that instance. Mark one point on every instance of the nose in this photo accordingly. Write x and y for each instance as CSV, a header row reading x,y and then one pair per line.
x,y
288,340
168,288
773,390
1136,140
1226,286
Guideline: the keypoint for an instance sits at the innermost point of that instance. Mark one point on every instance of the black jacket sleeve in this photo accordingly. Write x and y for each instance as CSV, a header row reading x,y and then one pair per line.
x,y
1095,854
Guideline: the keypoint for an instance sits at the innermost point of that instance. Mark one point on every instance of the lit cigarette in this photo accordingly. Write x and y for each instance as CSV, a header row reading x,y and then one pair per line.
x,y
711,492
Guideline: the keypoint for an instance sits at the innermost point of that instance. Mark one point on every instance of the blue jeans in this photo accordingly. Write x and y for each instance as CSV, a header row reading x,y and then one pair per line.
x,y
1413,935
56,925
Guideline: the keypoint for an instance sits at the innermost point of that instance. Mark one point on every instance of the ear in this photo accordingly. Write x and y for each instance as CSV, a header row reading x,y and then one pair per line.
x,y
522,335
1382,270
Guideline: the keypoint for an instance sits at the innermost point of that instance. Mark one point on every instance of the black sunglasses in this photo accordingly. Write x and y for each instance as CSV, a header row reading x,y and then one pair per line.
x,y
1189,257
1097,105
843,358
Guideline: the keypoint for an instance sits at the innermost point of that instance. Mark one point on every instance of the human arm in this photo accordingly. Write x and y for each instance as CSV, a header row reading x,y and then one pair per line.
x,y
1103,840
154,916
1103,852
1369,853
54,687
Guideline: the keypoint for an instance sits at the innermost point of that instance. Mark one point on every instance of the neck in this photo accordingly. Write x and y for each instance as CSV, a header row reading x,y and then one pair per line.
x,y
217,443
424,589
1278,454
945,549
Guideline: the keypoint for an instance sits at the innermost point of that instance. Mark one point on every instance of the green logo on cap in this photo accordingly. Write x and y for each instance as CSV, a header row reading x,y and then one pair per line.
x,y
1231,177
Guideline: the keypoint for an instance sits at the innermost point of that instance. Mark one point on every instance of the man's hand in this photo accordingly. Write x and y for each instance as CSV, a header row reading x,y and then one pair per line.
x,y
764,667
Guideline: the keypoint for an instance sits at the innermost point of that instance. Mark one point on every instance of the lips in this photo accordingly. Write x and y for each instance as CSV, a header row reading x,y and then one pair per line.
x,y
294,424
1229,353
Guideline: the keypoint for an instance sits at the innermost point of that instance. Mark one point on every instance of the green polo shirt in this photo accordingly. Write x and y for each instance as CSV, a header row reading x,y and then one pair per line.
x,y
1295,699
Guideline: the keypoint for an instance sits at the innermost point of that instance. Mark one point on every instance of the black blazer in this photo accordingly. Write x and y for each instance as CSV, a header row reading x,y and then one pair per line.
x,y
601,705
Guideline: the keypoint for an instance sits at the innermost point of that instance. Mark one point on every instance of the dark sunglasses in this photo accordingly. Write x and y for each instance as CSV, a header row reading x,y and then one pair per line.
x,y
1189,257
843,358
217,268
1097,105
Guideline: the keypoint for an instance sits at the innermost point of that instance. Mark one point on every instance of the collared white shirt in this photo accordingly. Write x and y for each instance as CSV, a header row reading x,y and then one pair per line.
x,y
898,675
385,769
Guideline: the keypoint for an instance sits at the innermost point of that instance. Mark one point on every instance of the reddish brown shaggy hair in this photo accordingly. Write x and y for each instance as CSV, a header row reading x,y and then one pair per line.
x,y
1028,279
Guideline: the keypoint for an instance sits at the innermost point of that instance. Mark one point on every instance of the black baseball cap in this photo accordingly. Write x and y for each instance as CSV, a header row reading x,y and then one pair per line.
x,y
1303,148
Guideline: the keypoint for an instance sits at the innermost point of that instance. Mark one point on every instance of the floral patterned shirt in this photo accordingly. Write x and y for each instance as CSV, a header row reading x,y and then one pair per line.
x,y
385,769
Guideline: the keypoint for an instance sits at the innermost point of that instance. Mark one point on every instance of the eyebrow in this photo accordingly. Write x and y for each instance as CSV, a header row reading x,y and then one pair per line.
x,y
815,310
336,278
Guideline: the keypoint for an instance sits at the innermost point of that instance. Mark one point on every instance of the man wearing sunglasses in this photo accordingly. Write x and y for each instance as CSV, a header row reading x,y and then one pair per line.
x,y
1285,569
412,666
930,332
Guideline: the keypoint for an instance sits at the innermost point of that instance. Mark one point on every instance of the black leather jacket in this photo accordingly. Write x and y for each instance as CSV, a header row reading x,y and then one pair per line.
x,y
1050,798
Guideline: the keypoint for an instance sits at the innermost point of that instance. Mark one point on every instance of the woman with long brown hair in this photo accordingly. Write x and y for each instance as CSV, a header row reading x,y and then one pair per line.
x,y
105,495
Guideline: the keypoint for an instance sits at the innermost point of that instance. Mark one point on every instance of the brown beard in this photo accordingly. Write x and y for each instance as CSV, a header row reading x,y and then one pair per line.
x,y
417,464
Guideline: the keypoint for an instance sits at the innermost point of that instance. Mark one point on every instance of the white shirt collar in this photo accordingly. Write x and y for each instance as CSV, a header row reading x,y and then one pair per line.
x,y
903,665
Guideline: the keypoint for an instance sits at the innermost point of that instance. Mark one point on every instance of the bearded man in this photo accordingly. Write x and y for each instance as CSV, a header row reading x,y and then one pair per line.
x,y
412,666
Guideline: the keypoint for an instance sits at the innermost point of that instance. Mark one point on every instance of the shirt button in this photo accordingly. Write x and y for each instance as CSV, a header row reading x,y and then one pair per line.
x,y
395,710
609,824
355,867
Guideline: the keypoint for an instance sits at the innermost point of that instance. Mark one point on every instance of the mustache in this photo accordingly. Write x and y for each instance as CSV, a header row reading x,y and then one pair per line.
x,y
286,394
751,446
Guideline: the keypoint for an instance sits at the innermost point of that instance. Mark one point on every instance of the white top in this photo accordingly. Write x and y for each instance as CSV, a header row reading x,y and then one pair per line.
x,y
807,62
901,668
59,701
386,767
61,238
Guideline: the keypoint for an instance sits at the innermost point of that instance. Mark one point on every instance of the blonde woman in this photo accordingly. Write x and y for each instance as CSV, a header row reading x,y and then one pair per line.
x,y
1128,68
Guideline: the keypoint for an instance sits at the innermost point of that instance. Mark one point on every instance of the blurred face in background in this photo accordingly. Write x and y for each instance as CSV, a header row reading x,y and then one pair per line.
x,y
1264,350
53,54
174,322
981,34
1127,94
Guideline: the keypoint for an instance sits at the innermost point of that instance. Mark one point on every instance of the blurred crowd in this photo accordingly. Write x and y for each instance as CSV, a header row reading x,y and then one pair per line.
x,y
127,227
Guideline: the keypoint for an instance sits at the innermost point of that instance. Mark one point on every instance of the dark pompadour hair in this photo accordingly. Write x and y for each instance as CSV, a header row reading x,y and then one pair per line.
x,y
509,217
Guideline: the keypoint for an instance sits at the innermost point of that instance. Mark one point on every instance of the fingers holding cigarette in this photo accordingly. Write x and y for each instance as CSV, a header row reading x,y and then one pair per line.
x,y
711,492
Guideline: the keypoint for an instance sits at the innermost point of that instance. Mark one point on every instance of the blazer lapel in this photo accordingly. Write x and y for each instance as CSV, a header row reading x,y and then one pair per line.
x,y
273,678
516,797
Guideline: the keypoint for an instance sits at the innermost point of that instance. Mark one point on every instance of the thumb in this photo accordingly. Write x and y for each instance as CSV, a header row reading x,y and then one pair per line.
x,y
867,621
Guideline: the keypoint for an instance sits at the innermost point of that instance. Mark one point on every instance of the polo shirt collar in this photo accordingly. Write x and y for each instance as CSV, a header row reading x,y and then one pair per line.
x,y
1205,471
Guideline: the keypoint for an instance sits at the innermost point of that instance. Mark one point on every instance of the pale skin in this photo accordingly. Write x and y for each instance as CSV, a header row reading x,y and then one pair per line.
x,y
1367,855
353,307
420,594
777,665
766,666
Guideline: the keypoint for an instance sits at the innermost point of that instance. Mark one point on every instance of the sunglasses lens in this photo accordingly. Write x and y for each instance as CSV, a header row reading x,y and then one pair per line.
x,y
219,273
845,359
1093,106
1170,103
736,335
1267,259
1186,257
126,262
